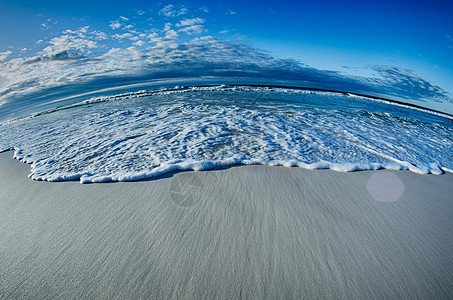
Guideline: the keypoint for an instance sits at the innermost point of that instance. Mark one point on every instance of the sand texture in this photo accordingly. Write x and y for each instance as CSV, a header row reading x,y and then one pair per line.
x,y
248,232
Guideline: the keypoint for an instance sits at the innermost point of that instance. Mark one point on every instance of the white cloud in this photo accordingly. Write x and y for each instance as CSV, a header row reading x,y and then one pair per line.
x,y
49,24
168,40
194,29
167,10
99,35
80,32
4,55
224,31
171,35
189,22
124,18
139,43
83,29
230,12
206,38
68,43
140,12
171,11
152,36
167,26
42,72
115,25
126,35
183,11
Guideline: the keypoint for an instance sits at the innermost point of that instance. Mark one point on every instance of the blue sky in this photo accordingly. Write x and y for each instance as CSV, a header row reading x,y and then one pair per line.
x,y
350,37
400,30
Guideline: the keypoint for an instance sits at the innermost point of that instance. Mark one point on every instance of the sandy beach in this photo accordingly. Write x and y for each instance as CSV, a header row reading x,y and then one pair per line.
x,y
246,232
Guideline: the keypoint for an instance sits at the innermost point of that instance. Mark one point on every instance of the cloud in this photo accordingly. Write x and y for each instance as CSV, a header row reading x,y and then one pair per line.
x,y
167,10
190,22
207,56
4,55
230,12
124,18
191,26
167,27
77,41
139,43
80,32
152,35
99,35
404,83
115,25
171,35
126,35
193,29
172,11
49,24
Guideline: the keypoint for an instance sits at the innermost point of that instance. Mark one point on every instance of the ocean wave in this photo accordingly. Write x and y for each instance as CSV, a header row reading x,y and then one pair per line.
x,y
144,134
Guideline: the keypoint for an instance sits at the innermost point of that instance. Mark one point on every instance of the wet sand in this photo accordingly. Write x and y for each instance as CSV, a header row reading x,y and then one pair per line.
x,y
248,232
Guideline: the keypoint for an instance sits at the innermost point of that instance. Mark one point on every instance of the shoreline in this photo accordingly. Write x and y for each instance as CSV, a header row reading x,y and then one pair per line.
x,y
204,166
237,232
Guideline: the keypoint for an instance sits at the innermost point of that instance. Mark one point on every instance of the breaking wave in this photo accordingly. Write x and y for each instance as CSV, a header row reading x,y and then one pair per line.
x,y
146,134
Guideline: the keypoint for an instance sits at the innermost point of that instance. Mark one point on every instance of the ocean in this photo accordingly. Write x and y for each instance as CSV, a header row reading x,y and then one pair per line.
x,y
144,134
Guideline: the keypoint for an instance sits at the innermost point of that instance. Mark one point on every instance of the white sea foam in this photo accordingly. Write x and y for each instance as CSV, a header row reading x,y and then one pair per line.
x,y
148,133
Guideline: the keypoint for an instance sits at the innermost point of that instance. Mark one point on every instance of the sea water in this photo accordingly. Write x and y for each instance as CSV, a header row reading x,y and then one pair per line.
x,y
145,134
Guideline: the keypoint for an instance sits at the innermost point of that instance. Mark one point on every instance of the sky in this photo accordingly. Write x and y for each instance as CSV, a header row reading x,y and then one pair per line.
x,y
371,39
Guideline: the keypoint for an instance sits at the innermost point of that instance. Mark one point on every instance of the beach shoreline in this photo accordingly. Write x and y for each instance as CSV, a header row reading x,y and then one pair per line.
x,y
238,232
